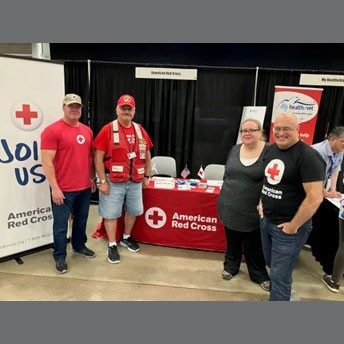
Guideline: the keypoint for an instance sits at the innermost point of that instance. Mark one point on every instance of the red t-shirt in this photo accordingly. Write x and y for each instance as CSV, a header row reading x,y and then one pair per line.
x,y
130,135
102,140
73,146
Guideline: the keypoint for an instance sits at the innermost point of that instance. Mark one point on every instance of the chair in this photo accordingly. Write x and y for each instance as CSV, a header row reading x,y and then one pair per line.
x,y
214,172
163,166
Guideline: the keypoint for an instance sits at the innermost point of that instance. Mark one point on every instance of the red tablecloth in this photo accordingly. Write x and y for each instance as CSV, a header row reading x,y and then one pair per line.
x,y
177,218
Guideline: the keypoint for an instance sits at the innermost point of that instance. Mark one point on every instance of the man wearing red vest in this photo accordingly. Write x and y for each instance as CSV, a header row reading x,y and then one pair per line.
x,y
123,162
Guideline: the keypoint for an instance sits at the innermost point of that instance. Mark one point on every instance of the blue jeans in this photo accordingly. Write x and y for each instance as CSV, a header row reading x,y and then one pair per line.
x,y
76,203
281,251
127,195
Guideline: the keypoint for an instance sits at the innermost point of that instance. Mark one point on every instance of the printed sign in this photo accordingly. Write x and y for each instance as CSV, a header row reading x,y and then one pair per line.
x,y
303,102
322,80
30,99
165,73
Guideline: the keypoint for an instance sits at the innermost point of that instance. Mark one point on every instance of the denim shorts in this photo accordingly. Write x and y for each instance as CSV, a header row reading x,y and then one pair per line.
x,y
127,196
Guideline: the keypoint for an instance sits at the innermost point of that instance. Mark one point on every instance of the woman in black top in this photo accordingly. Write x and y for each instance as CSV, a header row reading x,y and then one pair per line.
x,y
237,205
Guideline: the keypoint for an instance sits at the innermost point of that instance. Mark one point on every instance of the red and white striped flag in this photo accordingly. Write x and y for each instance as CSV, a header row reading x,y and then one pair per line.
x,y
185,172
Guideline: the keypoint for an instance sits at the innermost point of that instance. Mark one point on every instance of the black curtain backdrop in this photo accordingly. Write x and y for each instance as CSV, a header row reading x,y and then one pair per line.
x,y
76,81
267,80
169,112
331,112
196,122
165,108
220,97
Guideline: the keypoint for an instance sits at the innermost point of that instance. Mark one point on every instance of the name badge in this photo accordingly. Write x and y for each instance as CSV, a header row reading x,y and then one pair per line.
x,y
142,148
131,155
117,168
141,170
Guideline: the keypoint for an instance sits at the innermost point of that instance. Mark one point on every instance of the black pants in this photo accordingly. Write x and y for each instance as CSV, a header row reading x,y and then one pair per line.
x,y
338,265
250,244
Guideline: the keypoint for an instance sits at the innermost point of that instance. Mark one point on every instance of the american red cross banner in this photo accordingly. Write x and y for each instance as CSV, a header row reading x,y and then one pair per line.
x,y
31,98
303,102
176,218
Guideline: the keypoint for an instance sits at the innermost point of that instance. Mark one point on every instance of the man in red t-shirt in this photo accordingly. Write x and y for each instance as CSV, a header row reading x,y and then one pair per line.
x,y
66,148
123,162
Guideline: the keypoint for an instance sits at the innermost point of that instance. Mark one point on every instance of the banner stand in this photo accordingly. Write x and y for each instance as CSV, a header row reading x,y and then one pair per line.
x,y
19,260
18,256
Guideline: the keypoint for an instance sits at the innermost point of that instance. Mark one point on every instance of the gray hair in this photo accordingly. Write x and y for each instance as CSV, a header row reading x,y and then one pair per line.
x,y
259,125
336,132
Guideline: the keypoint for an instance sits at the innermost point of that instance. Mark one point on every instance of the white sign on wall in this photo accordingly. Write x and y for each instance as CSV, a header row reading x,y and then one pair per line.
x,y
165,73
322,79
30,99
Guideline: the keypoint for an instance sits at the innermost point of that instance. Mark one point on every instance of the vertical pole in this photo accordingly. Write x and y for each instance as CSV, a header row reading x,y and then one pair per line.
x,y
88,89
40,50
255,87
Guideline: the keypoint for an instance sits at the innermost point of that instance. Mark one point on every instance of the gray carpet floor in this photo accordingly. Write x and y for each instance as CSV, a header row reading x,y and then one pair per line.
x,y
155,273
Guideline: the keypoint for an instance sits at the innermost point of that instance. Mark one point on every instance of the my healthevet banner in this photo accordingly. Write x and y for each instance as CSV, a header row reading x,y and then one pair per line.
x,y
31,98
301,101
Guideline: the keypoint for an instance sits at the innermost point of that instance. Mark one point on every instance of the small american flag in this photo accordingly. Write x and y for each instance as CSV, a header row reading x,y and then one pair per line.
x,y
185,172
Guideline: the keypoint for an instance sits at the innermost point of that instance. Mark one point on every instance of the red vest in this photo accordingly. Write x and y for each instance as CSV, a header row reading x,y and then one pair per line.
x,y
121,168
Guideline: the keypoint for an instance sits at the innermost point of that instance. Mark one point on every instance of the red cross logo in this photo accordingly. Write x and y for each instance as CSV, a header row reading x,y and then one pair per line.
x,y
274,171
155,217
80,139
26,114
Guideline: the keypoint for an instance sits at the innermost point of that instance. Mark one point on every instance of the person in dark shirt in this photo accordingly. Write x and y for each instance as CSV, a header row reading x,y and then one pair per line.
x,y
292,192
237,205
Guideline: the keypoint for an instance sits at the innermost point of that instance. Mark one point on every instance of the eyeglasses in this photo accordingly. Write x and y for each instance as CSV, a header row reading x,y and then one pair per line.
x,y
338,139
285,129
248,131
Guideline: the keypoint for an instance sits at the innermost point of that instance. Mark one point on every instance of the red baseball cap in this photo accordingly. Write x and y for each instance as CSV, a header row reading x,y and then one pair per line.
x,y
126,99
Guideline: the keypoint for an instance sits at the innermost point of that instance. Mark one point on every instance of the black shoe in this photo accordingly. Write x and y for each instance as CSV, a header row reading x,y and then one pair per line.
x,y
333,286
61,266
266,285
226,275
85,252
113,255
131,244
